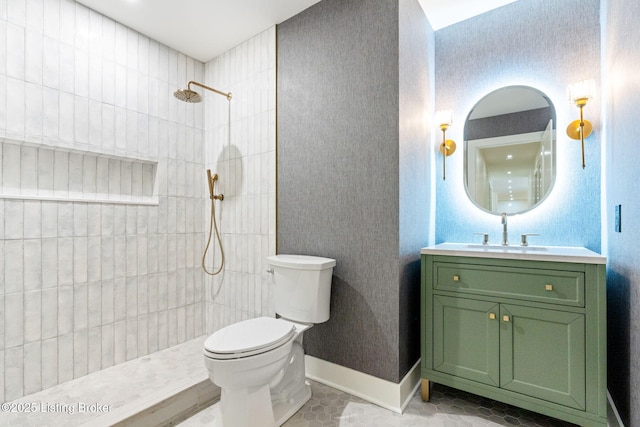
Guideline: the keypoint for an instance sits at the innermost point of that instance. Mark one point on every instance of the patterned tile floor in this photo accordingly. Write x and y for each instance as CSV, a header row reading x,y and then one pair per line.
x,y
448,408
123,387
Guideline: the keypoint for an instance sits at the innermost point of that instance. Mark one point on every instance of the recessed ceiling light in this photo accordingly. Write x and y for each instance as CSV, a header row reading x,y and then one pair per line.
x,y
509,156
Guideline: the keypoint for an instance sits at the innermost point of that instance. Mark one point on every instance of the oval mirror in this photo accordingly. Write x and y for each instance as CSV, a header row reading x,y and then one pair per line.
x,y
509,150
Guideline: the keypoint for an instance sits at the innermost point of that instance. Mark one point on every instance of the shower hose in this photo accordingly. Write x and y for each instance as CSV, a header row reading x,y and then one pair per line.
x,y
213,225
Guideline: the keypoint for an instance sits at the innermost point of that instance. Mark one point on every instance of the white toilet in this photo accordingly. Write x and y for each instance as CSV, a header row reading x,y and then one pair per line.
x,y
259,363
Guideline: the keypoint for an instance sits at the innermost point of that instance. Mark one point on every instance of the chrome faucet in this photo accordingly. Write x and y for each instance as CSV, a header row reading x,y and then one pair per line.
x,y
505,235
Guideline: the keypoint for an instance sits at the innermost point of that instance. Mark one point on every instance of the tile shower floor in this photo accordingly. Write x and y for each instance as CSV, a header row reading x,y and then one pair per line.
x,y
448,407
111,395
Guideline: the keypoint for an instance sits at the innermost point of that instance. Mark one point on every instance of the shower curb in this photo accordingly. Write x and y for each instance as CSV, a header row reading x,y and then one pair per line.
x,y
161,388
164,407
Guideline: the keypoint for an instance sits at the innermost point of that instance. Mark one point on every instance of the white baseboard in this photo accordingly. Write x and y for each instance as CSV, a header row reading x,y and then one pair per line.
x,y
386,394
613,417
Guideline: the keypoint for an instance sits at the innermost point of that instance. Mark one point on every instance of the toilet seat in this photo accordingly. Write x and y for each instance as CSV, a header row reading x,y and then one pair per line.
x,y
248,338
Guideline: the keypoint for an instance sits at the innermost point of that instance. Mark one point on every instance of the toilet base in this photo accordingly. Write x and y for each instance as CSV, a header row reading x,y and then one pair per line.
x,y
291,391
282,411
245,407
270,405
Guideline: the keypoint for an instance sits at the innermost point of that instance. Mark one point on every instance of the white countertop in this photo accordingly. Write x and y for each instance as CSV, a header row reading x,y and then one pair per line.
x,y
532,253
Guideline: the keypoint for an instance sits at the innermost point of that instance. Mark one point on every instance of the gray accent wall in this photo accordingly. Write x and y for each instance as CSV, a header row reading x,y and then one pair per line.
x,y
354,85
622,96
416,62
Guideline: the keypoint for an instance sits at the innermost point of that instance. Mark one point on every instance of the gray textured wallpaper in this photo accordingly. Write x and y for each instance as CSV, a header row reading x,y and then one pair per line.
x,y
417,60
621,60
550,44
341,109
546,45
349,168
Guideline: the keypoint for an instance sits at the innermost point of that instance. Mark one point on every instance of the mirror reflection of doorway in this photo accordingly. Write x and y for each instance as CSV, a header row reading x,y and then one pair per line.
x,y
509,150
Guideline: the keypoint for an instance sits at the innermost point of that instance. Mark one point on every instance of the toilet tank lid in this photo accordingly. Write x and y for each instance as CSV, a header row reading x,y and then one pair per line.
x,y
303,262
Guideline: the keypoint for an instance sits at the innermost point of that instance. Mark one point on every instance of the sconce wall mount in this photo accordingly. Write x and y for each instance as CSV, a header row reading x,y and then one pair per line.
x,y
448,146
580,93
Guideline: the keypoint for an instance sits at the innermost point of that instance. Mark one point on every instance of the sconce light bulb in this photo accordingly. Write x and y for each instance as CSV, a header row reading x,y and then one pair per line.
x,y
582,91
444,118
581,102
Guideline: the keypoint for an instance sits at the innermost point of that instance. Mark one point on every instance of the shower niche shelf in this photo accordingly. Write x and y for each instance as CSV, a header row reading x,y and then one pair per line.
x,y
42,172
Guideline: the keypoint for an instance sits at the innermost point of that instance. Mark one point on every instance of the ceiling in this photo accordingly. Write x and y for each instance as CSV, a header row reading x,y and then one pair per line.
x,y
204,29
442,13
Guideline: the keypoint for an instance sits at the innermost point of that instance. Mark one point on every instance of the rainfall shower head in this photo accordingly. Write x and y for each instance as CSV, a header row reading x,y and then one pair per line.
x,y
188,95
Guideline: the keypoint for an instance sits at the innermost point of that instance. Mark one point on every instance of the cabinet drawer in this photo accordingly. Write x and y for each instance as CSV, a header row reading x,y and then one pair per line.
x,y
548,286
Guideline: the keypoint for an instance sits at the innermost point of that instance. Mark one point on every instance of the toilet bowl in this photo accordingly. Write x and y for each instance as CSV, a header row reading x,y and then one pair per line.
x,y
259,363
259,366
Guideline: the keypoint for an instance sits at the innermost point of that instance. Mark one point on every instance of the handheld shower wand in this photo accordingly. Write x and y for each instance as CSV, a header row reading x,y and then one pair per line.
x,y
211,179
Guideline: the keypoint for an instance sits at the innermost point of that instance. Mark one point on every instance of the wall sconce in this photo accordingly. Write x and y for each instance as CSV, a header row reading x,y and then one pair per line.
x,y
580,93
444,118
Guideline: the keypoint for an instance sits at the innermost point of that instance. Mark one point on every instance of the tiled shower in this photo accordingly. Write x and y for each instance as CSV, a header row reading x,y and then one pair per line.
x,y
242,150
103,202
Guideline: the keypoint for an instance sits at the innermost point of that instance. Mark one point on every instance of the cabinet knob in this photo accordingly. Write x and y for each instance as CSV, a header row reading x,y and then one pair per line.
x,y
492,316
548,287
505,318
456,278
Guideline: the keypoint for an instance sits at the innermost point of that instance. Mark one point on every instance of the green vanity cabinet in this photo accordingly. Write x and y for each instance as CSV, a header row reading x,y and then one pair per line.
x,y
528,332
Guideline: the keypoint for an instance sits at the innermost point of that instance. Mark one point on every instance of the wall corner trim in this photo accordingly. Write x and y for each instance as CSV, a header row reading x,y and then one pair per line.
x,y
386,394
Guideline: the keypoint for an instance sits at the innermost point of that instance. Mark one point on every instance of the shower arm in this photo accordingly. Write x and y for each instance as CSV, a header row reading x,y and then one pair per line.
x,y
228,95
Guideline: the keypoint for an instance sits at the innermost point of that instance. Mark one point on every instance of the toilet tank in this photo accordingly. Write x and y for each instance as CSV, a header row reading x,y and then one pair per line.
x,y
302,287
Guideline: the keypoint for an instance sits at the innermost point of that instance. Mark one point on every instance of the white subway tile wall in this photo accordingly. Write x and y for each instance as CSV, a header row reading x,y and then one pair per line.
x,y
32,172
240,148
87,114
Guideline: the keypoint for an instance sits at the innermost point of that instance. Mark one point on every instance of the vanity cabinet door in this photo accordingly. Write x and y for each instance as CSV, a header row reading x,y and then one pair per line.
x,y
525,332
542,354
466,338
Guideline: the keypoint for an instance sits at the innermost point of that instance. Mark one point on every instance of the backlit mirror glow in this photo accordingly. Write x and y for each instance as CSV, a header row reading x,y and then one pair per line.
x,y
509,150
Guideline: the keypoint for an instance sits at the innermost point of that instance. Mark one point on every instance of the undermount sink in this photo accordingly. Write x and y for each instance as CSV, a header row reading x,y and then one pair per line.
x,y
507,248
